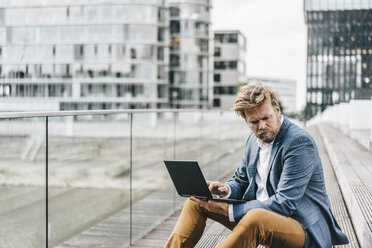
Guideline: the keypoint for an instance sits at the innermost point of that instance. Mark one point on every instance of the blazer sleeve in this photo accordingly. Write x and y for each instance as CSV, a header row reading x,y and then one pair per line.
x,y
240,181
298,167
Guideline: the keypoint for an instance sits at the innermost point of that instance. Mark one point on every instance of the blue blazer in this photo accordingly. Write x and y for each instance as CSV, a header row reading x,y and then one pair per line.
x,y
295,185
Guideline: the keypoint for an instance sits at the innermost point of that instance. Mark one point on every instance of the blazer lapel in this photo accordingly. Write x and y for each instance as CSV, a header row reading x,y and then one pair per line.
x,y
274,151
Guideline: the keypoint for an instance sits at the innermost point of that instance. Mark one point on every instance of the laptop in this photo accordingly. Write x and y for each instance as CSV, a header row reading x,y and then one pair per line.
x,y
188,180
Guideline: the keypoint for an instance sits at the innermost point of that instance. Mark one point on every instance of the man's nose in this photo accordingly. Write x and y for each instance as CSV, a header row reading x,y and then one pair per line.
x,y
261,125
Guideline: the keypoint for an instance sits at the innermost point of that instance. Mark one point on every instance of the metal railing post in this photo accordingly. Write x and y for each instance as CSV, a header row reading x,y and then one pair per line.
x,y
175,115
130,178
46,184
201,139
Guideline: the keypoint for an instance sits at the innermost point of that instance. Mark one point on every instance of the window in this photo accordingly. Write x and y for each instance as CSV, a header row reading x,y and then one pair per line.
x,y
202,44
161,15
232,38
79,51
219,65
174,44
175,60
231,90
5,90
233,64
174,11
218,37
133,53
217,77
225,65
161,34
162,91
217,52
160,53
174,27
226,38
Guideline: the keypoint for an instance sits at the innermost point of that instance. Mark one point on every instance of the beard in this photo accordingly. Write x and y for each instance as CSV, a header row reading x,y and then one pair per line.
x,y
267,136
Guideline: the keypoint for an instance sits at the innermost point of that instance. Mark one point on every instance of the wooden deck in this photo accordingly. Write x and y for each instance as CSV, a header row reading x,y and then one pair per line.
x,y
147,214
353,166
214,232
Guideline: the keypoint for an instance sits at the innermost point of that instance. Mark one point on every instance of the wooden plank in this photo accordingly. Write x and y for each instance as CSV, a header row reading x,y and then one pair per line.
x,y
338,206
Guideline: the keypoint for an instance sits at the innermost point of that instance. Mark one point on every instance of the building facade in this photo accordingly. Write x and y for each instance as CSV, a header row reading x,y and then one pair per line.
x,y
339,52
83,54
286,90
191,58
229,66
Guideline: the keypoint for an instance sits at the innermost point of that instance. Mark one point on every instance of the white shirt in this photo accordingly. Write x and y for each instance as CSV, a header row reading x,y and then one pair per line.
x,y
261,175
263,170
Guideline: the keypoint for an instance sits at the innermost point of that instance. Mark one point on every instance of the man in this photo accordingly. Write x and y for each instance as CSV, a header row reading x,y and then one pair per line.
x,y
280,176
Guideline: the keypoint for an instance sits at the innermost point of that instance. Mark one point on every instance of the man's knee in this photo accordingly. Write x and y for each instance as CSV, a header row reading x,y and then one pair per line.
x,y
254,218
189,204
193,209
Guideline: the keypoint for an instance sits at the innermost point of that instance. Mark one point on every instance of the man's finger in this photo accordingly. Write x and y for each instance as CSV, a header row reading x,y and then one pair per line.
x,y
198,201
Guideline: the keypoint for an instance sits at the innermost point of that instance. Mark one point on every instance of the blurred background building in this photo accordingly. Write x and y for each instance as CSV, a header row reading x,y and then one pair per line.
x,y
98,54
229,66
286,90
339,57
191,58
79,54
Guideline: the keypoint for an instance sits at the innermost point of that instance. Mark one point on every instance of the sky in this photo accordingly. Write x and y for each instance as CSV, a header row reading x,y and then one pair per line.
x,y
276,37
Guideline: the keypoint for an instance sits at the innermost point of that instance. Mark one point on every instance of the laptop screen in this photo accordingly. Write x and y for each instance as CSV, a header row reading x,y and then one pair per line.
x,y
188,178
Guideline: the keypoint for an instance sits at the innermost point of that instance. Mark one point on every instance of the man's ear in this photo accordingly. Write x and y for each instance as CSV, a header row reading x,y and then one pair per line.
x,y
278,110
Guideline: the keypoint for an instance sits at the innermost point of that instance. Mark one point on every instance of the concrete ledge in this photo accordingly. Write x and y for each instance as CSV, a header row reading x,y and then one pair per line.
x,y
343,173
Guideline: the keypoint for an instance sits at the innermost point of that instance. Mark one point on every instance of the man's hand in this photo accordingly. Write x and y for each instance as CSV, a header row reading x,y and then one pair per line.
x,y
213,206
217,188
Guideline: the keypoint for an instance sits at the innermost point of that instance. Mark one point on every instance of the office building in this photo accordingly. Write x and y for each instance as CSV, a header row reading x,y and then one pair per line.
x,y
229,66
339,52
191,58
83,54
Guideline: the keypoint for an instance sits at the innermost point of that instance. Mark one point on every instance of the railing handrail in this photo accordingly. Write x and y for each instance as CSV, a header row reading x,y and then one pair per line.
x,y
11,115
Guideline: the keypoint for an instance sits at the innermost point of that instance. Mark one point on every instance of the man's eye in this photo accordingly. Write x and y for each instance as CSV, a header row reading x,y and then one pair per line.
x,y
265,118
254,122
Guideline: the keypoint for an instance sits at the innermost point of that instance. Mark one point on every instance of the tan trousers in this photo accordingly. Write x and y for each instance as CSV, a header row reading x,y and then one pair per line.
x,y
258,226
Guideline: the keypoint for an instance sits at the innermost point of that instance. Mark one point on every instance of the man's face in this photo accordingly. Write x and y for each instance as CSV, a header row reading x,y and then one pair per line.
x,y
264,121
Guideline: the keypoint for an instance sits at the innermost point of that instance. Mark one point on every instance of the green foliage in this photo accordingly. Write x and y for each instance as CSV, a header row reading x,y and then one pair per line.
x,y
240,84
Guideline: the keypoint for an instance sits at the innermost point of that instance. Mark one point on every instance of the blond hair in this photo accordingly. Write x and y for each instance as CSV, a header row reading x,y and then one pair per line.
x,y
252,96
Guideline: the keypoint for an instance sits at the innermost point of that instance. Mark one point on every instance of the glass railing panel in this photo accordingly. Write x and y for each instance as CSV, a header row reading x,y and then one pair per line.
x,y
188,136
152,190
233,136
89,190
22,183
212,146
189,143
